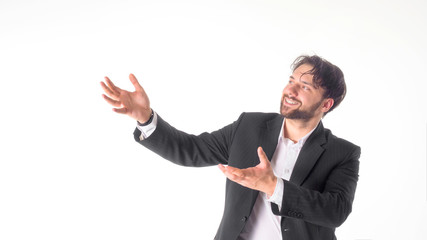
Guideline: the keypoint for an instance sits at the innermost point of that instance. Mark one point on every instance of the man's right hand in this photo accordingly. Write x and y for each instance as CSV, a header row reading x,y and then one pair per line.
x,y
134,104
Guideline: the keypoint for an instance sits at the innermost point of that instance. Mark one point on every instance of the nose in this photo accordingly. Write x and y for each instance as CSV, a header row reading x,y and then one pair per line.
x,y
291,90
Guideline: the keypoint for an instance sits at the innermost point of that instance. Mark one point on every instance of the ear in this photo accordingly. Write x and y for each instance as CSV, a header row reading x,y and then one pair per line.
x,y
327,104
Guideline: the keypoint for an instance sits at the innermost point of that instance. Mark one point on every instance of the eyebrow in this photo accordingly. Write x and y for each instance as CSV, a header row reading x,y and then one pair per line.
x,y
307,83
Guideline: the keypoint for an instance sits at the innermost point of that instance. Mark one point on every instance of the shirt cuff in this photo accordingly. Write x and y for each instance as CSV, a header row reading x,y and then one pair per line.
x,y
278,193
147,130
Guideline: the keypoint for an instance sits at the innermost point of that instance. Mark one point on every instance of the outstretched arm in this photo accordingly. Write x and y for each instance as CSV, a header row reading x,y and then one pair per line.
x,y
172,144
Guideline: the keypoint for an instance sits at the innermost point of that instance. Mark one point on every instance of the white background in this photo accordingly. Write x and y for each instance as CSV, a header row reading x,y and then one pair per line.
x,y
70,168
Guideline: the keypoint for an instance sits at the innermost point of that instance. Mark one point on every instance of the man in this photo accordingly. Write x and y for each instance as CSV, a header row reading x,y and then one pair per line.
x,y
307,189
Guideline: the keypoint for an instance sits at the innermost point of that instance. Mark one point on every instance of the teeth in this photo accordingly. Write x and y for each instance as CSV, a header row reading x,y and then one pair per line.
x,y
290,102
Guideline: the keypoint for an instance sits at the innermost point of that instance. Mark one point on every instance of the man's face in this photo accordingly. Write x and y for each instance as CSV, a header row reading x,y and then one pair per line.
x,y
300,98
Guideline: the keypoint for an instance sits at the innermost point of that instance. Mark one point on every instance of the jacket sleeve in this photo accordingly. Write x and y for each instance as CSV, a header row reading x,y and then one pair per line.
x,y
185,149
328,208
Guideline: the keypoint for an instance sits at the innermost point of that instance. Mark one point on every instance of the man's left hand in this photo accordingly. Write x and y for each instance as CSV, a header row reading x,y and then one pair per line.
x,y
260,177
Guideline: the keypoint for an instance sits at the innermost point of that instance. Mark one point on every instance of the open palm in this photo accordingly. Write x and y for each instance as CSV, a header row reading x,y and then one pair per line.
x,y
134,104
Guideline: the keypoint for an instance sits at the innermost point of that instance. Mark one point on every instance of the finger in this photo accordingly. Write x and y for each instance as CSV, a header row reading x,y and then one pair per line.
x,y
135,82
222,168
234,175
262,157
113,87
231,171
120,110
107,90
229,175
114,103
237,172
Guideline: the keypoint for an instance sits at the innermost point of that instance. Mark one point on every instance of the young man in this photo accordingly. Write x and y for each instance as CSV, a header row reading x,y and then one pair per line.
x,y
301,183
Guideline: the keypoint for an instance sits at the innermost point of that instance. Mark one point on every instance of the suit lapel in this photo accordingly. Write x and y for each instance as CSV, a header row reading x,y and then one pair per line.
x,y
309,155
270,135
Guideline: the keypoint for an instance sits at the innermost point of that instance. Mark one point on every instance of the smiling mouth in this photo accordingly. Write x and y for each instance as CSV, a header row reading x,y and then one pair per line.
x,y
291,102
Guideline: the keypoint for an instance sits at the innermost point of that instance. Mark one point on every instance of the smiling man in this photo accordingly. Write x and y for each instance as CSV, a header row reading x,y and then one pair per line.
x,y
288,177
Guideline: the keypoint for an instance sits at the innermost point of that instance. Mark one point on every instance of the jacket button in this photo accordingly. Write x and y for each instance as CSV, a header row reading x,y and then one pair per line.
x,y
286,229
244,219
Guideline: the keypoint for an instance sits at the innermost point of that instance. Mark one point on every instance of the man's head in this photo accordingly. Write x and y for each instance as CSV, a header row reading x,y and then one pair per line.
x,y
315,88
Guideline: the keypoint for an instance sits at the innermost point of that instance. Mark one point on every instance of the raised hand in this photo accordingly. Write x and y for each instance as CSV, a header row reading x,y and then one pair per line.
x,y
260,177
134,104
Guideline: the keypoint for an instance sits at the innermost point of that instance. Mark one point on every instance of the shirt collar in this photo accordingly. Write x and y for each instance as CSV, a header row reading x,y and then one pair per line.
x,y
301,142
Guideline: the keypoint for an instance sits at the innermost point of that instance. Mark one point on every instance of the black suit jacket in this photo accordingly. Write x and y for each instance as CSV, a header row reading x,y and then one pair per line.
x,y
317,198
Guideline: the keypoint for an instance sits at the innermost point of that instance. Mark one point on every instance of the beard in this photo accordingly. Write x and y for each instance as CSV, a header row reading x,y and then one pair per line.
x,y
301,114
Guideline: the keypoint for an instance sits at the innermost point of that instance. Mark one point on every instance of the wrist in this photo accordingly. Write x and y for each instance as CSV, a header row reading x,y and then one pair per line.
x,y
148,121
272,187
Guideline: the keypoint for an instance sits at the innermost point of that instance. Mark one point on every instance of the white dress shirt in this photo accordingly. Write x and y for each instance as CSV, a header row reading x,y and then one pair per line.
x,y
262,223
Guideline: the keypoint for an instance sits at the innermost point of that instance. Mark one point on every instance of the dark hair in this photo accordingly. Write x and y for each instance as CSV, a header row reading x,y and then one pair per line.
x,y
326,75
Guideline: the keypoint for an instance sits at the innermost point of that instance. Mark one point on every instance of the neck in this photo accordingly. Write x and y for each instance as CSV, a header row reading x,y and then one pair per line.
x,y
295,129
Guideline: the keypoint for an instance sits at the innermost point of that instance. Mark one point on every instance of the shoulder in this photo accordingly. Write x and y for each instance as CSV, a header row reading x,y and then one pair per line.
x,y
259,117
340,144
249,122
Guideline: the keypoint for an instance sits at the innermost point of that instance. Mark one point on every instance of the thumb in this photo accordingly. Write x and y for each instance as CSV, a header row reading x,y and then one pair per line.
x,y
263,157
